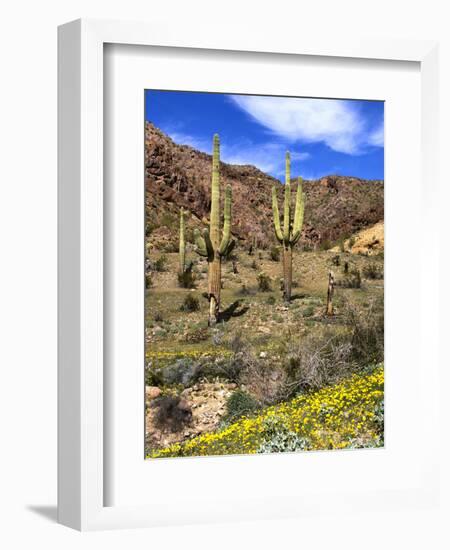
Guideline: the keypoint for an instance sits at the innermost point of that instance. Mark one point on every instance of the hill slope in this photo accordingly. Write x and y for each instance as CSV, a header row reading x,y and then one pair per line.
x,y
178,175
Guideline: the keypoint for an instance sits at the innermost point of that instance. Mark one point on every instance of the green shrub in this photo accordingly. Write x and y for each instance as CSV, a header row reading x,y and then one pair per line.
x,y
161,263
264,283
274,253
158,317
186,279
308,311
271,300
352,280
190,304
148,280
326,244
373,271
277,438
239,404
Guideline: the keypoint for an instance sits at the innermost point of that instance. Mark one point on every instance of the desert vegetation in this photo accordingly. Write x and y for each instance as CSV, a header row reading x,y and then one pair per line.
x,y
259,340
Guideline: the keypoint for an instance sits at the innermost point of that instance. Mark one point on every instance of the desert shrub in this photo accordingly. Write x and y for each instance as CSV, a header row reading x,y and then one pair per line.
x,y
352,280
161,263
236,343
186,278
171,413
373,271
378,420
158,317
336,260
308,311
277,438
254,265
239,404
367,331
263,378
226,368
326,244
190,304
274,253
317,361
169,220
264,283
148,280
196,335
271,300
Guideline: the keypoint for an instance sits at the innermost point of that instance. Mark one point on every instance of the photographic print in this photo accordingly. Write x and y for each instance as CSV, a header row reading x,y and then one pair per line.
x,y
264,274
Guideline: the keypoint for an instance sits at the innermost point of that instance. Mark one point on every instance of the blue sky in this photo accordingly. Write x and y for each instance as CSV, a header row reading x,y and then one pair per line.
x,y
324,136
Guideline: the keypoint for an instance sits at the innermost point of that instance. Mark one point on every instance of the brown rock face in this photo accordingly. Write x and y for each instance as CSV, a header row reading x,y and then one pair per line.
x,y
180,176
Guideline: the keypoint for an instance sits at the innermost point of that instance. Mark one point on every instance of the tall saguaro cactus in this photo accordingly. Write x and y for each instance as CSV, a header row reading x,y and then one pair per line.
x,y
211,245
289,235
182,247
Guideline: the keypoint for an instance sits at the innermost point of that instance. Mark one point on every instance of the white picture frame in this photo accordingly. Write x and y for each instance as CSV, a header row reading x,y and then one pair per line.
x,y
82,394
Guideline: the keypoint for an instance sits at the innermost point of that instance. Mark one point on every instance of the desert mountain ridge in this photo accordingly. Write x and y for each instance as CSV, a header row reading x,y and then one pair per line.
x,y
178,176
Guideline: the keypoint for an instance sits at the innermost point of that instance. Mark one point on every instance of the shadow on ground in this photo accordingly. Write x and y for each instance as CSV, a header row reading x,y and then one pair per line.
x,y
48,512
232,311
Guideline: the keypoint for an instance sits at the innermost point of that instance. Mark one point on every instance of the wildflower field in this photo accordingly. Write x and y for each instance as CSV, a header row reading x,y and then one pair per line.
x,y
346,415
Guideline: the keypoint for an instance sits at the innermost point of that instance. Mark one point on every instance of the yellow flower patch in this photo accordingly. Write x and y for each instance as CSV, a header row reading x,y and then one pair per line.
x,y
331,418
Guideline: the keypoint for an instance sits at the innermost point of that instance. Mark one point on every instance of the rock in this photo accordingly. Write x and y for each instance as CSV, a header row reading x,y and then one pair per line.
x,y
152,392
263,354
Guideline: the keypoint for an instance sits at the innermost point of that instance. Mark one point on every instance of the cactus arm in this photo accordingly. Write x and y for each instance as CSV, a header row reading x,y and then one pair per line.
x,y
208,244
230,247
295,238
288,168
215,195
200,245
287,201
299,211
276,215
287,212
226,222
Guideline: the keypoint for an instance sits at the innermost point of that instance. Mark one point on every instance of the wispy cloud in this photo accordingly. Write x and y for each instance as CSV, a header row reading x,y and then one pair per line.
x,y
376,137
268,156
337,123
182,138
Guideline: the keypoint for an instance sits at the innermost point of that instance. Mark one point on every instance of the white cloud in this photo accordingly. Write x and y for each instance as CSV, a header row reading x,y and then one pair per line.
x,y
268,157
186,139
337,123
376,137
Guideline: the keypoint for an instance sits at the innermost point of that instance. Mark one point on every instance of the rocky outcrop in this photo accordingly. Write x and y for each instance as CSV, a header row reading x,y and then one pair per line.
x,y
180,176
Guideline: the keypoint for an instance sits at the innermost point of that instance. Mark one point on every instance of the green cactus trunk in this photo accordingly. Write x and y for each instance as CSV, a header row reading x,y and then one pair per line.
x,y
287,273
211,245
289,235
182,247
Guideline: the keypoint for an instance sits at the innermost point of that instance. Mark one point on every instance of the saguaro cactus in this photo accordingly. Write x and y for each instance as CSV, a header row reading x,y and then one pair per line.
x,y
211,245
330,294
182,247
290,234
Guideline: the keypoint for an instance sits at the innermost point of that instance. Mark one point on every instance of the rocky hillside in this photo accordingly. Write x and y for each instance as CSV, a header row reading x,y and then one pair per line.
x,y
178,175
